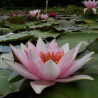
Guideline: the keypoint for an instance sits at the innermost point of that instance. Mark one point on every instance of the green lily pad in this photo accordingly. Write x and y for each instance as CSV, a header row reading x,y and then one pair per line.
x,y
94,25
74,38
4,30
9,82
29,35
14,77
68,26
41,25
93,46
89,17
4,85
92,66
15,26
16,20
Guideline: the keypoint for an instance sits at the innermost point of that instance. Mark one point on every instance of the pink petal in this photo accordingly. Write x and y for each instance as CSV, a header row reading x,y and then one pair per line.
x,y
35,59
20,69
86,4
53,46
41,45
33,48
93,4
39,86
77,65
49,71
65,48
90,4
19,54
23,48
23,58
30,45
74,78
67,60
36,62
96,2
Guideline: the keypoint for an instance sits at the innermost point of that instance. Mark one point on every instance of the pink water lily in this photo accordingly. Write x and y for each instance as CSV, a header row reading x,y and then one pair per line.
x,y
44,16
90,5
47,65
34,13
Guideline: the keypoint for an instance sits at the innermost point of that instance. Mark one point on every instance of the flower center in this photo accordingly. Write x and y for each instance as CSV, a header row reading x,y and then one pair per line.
x,y
53,56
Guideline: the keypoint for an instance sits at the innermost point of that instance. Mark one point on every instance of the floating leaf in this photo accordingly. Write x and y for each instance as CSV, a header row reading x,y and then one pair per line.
x,y
93,46
78,89
89,17
29,35
68,26
16,20
4,85
74,38
15,26
41,25
4,31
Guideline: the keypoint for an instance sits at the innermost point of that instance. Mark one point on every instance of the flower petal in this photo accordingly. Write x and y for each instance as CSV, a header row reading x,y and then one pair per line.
x,y
53,46
20,69
19,54
39,86
67,60
36,62
23,58
49,71
23,49
85,10
77,65
65,48
74,78
33,48
94,10
41,45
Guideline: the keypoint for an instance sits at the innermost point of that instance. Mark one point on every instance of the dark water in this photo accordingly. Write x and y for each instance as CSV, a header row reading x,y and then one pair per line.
x,y
29,93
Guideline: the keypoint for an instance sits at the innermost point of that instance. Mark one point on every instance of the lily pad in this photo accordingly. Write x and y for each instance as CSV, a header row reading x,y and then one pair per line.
x,y
79,89
92,66
93,46
29,35
41,25
68,26
4,31
16,20
74,38
15,26
4,85
89,17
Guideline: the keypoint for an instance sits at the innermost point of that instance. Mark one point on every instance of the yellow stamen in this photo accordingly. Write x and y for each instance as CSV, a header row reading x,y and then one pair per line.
x,y
54,57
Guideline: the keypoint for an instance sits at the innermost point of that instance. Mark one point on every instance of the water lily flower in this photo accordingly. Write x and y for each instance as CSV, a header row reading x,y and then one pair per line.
x,y
52,14
44,16
16,14
26,12
21,12
11,15
47,65
34,13
91,5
